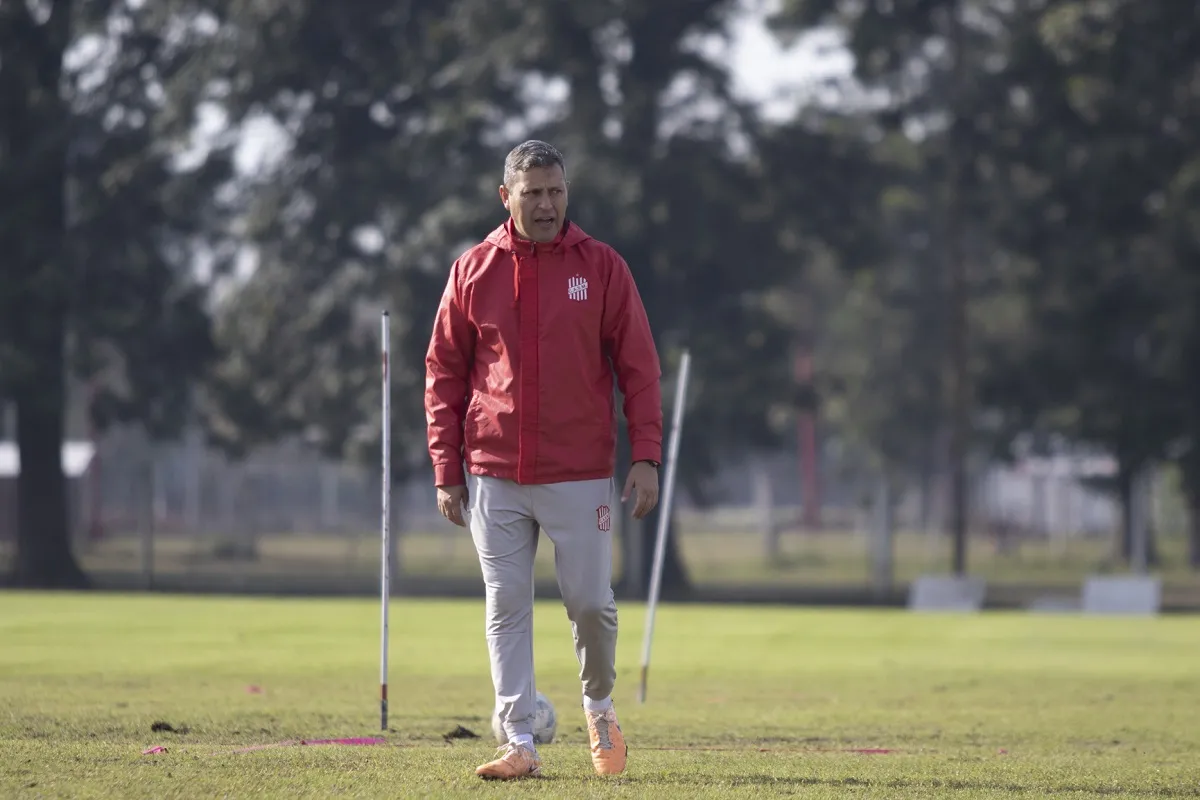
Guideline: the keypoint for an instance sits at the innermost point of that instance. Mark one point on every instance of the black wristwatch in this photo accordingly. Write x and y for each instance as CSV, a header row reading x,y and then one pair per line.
x,y
654,464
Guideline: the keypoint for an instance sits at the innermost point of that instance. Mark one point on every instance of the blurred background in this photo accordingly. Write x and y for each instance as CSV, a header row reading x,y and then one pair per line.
x,y
937,263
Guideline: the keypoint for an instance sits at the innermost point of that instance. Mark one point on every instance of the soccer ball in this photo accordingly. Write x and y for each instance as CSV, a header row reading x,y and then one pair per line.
x,y
545,723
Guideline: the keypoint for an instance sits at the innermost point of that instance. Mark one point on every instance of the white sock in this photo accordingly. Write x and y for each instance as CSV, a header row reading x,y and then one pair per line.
x,y
523,739
597,705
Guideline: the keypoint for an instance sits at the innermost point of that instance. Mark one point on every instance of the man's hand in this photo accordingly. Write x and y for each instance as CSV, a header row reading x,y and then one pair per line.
x,y
451,501
642,482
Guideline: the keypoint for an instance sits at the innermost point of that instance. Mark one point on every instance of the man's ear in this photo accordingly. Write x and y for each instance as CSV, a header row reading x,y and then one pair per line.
x,y
504,195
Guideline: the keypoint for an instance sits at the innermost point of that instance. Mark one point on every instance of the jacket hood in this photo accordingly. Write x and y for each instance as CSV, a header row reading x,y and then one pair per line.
x,y
505,237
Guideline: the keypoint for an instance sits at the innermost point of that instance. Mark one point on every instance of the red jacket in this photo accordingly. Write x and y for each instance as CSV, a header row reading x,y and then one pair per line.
x,y
519,371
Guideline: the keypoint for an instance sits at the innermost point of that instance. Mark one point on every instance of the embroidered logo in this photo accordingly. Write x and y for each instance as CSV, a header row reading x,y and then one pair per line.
x,y
577,288
603,519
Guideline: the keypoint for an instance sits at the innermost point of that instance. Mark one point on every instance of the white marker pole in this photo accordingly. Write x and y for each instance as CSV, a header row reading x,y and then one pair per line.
x,y
664,514
385,521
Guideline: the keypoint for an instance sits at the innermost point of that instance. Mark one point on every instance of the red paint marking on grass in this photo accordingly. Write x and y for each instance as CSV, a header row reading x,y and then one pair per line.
x,y
870,751
149,751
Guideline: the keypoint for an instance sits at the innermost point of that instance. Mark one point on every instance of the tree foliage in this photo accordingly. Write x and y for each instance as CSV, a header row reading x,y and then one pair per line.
x,y
98,228
1048,149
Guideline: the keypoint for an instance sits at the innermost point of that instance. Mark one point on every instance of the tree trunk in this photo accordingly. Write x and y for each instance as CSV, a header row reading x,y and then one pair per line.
x,y
675,583
955,258
1124,548
925,512
883,548
34,130
1124,544
1194,535
1189,470
674,579
44,557
764,504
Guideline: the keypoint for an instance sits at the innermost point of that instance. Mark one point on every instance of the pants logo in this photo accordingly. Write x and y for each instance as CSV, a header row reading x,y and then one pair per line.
x,y
603,518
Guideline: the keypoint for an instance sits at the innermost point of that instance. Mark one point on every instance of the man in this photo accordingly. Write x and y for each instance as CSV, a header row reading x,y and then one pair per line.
x,y
531,328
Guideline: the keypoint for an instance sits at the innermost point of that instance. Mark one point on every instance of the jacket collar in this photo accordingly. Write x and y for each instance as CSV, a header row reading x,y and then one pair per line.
x,y
505,237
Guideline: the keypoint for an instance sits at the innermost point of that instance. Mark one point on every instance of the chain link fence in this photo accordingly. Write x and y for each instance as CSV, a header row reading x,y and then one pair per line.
x,y
182,516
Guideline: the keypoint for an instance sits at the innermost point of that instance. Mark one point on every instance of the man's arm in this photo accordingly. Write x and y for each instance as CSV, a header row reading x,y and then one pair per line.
x,y
447,382
630,343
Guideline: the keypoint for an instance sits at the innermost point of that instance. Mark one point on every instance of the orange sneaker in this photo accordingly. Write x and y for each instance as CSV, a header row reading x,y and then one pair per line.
x,y
609,750
512,761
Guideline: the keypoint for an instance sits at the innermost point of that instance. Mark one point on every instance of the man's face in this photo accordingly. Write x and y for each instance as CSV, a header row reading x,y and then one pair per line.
x,y
537,202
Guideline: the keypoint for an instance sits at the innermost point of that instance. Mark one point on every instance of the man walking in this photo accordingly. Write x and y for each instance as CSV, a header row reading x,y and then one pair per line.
x,y
532,326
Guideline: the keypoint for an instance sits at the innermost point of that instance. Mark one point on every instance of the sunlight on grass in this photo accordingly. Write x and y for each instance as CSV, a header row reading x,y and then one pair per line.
x,y
743,702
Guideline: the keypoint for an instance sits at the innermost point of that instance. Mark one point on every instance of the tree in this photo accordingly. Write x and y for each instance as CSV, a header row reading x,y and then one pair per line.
x,y
37,284
1091,148
665,183
98,225
1058,130
385,167
869,297
1182,235
927,63
393,149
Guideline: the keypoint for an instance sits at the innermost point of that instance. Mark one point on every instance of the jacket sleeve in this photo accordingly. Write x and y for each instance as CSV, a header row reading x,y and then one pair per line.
x,y
447,381
630,344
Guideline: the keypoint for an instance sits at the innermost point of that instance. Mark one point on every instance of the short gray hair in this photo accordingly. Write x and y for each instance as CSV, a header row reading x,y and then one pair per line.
x,y
530,155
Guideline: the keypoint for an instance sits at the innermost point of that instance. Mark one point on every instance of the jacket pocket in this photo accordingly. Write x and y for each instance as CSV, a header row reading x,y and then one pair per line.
x,y
481,431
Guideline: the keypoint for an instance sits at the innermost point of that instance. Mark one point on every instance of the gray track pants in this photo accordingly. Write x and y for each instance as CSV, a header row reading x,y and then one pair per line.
x,y
576,515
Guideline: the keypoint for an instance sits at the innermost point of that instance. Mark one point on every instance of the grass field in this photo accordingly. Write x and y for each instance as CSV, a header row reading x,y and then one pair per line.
x,y
743,702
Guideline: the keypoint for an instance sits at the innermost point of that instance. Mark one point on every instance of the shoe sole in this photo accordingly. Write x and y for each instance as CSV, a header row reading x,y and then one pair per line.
x,y
619,772
536,774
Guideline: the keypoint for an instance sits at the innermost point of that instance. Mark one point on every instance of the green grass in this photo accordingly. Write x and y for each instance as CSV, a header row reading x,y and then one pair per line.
x,y
743,702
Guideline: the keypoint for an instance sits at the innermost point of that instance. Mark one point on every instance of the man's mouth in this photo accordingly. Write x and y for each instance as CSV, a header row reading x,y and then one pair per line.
x,y
544,220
